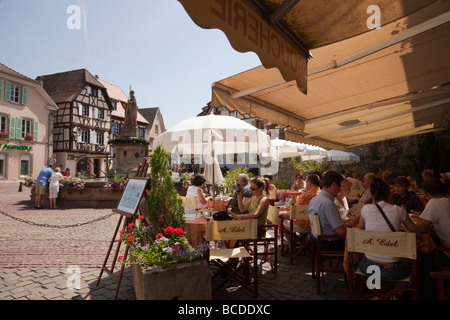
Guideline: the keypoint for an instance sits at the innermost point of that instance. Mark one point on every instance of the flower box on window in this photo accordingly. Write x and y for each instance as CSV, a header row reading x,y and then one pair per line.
x,y
28,136
4,134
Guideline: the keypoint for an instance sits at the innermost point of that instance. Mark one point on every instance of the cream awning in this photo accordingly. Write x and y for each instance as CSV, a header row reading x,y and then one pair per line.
x,y
383,84
282,32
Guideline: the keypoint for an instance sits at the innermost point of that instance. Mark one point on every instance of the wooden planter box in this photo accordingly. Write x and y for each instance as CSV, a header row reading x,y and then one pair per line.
x,y
188,281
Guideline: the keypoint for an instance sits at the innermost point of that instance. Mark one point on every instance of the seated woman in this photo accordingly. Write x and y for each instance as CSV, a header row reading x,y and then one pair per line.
x,y
391,268
299,183
195,190
341,199
271,191
258,206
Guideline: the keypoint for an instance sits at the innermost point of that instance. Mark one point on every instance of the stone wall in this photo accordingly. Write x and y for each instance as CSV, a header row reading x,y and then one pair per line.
x,y
404,156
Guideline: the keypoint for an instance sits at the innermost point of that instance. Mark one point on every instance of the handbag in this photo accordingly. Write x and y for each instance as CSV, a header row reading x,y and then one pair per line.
x,y
221,215
385,218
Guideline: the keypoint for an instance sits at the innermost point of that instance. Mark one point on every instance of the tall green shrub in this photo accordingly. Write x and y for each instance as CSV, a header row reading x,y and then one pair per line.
x,y
165,208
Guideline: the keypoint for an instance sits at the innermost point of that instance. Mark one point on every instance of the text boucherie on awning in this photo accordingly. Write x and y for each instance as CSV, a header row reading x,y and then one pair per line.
x,y
248,31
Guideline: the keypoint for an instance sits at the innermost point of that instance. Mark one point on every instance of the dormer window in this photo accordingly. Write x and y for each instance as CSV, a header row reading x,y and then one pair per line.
x,y
93,91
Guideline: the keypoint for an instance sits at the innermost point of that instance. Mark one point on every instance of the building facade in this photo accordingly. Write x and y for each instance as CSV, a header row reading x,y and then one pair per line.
x,y
26,116
83,122
155,124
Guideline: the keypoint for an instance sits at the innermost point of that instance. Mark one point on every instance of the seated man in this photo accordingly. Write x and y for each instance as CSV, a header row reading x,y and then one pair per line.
x,y
312,189
330,220
405,198
366,197
242,181
435,214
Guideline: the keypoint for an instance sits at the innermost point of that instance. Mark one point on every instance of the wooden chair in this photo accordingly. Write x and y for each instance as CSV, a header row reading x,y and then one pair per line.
x,y
270,239
319,255
441,274
374,242
243,230
190,202
296,212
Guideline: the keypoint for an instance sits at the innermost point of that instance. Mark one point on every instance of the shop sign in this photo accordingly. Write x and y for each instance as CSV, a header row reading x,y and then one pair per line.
x,y
15,147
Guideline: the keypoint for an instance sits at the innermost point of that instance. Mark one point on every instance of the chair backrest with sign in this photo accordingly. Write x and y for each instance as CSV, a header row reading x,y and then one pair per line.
x,y
224,258
392,244
293,235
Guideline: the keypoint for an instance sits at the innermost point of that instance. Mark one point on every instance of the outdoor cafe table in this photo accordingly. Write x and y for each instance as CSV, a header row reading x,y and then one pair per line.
x,y
195,231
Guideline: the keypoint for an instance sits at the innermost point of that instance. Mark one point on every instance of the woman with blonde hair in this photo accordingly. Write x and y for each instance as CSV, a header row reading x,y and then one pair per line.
x,y
257,207
341,198
53,187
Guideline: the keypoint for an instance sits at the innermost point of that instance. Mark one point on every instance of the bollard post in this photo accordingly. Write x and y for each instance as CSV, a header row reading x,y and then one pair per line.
x,y
20,187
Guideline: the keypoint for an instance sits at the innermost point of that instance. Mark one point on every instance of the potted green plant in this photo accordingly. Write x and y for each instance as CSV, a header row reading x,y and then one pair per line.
x,y
163,264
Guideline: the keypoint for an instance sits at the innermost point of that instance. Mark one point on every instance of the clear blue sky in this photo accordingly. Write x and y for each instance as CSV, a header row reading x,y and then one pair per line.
x,y
152,45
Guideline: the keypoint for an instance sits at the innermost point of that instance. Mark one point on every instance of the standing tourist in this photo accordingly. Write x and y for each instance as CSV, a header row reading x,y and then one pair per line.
x,y
54,187
41,185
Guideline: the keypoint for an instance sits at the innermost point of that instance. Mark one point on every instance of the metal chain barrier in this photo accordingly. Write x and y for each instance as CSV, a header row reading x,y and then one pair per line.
x,y
57,226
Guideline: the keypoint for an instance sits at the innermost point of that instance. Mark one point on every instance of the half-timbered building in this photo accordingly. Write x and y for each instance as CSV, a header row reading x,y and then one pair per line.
x,y
119,103
83,122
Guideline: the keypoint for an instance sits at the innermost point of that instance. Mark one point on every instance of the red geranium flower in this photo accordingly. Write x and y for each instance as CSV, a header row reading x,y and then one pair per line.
x,y
141,217
168,230
130,238
159,235
120,258
178,231
123,230
130,226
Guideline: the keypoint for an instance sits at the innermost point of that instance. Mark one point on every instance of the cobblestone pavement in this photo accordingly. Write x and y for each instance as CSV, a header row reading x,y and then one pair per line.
x,y
38,262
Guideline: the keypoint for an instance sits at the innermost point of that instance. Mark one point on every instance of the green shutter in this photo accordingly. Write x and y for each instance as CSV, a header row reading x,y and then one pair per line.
x,y
35,130
24,96
19,134
7,91
12,127
1,89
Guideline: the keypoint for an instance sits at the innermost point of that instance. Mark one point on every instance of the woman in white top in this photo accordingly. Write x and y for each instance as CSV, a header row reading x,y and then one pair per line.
x,y
391,268
53,188
195,190
341,199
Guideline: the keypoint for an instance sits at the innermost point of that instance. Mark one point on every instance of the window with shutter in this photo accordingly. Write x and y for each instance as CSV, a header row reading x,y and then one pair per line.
x,y
35,130
7,91
24,96
12,127
19,133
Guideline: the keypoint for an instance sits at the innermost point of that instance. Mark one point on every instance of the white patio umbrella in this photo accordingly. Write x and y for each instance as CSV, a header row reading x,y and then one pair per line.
x,y
213,135
342,156
313,152
287,149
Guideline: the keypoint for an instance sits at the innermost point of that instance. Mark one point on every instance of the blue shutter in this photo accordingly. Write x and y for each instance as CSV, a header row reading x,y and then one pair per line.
x,y
112,127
